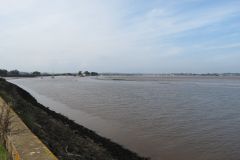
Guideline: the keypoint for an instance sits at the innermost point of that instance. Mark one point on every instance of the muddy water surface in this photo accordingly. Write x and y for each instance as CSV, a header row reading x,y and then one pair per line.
x,y
167,118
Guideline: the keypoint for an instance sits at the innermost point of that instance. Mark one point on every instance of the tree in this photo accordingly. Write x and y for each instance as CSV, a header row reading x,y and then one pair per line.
x,y
14,73
87,73
36,73
94,74
80,73
3,72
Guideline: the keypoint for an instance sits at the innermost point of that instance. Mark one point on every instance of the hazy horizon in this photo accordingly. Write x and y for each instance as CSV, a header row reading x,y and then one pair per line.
x,y
122,36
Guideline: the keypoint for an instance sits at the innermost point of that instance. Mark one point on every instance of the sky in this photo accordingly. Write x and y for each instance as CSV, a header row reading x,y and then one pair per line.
x,y
123,36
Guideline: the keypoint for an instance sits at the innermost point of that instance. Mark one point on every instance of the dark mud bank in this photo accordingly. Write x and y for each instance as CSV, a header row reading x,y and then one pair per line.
x,y
65,138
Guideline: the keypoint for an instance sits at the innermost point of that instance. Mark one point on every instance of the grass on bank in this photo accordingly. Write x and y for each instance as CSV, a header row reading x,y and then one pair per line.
x,y
3,153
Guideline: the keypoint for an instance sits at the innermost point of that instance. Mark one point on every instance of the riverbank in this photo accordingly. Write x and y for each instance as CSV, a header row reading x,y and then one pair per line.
x,y
18,135
65,138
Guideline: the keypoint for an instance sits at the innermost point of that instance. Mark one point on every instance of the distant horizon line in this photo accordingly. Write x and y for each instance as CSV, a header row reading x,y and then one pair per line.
x,y
131,73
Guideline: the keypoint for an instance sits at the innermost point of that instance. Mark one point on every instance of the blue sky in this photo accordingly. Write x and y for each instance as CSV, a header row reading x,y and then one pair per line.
x,y
137,36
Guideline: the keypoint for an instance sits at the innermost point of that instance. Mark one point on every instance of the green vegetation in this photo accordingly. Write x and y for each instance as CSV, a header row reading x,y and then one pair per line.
x,y
80,73
87,73
16,73
3,72
36,73
94,74
3,153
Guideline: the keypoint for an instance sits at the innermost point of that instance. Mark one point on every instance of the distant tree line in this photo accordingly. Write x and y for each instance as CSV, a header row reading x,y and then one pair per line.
x,y
87,73
5,73
16,73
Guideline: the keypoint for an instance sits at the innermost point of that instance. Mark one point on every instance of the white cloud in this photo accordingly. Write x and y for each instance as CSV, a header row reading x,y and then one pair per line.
x,y
75,34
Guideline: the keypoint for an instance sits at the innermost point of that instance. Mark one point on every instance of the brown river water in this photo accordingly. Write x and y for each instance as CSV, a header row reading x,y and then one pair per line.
x,y
165,118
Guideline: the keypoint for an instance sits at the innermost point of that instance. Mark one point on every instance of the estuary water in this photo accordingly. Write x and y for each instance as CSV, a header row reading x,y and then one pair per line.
x,y
162,117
